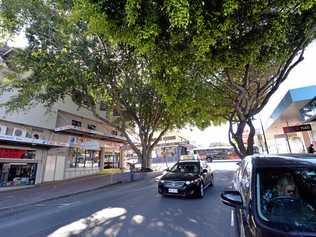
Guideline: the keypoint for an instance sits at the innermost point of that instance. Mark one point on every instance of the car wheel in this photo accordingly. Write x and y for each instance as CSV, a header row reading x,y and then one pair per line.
x,y
212,180
201,191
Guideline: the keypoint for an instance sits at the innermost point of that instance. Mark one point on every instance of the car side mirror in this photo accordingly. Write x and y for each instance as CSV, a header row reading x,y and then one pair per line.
x,y
204,171
231,198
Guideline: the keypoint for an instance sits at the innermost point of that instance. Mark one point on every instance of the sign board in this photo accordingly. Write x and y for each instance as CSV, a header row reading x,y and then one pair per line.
x,y
298,128
31,140
90,145
11,153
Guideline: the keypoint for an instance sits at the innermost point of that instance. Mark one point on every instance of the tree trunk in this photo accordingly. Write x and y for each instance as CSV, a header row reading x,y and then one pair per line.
x,y
236,138
145,158
250,140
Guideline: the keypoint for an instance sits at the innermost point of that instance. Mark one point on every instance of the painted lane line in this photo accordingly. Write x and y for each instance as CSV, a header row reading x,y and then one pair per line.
x,y
232,222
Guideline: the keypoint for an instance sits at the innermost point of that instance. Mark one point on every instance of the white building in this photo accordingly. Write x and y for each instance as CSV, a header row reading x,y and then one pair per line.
x,y
40,145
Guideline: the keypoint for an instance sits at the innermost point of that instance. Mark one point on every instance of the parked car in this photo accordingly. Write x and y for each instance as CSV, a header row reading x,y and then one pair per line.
x,y
186,178
274,196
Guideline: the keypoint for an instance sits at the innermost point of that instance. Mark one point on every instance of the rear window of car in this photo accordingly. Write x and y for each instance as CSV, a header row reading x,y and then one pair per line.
x,y
286,198
186,167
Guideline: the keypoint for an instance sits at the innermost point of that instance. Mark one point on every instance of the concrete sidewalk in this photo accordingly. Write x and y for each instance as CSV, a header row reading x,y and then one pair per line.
x,y
10,200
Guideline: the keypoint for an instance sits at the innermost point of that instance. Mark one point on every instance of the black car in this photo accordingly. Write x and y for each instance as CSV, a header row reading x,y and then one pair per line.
x,y
186,178
274,196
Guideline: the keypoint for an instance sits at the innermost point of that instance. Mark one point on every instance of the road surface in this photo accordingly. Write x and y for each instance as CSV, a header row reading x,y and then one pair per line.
x,y
126,210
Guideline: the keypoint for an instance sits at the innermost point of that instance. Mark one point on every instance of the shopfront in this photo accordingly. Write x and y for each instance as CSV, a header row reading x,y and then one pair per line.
x,y
291,127
83,158
18,167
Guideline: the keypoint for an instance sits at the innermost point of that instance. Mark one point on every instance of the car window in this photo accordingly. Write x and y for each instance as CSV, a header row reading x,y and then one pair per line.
x,y
286,198
245,181
186,167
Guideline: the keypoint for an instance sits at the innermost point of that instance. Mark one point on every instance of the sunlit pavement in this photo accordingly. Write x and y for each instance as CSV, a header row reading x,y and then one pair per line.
x,y
128,210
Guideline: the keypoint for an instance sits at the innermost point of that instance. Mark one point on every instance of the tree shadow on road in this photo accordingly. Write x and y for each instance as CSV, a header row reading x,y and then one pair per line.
x,y
160,216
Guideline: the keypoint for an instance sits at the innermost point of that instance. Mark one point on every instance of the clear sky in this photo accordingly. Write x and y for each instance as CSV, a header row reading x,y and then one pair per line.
x,y
302,75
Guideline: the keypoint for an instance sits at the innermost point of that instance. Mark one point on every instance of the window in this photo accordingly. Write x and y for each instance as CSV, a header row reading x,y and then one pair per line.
x,y
184,167
18,132
28,134
12,174
81,158
75,123
92,126
9,131
111,160
286,198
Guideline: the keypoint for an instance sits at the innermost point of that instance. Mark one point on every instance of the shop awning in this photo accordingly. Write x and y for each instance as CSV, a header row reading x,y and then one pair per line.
x,y
70,129
23,141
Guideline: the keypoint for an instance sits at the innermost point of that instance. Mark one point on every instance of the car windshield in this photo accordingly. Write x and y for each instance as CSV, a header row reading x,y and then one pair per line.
x,y
186,167
286,198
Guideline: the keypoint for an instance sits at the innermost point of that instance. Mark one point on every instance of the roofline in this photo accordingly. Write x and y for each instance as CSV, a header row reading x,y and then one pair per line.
x,y
292,96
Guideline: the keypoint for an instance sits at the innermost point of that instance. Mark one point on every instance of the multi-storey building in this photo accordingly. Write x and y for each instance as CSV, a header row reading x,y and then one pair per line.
x,y
40,144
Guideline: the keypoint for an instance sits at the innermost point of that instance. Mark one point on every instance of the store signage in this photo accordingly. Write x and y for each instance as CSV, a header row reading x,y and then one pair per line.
x,y
31,140
90,145
299,128
11,153
23,139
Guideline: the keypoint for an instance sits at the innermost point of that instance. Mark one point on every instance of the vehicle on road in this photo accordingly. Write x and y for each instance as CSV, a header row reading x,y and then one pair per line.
x,y
186,178
274,196
216,153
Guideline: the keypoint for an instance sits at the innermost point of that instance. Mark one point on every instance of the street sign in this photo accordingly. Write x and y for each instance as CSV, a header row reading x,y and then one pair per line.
x,y
298,128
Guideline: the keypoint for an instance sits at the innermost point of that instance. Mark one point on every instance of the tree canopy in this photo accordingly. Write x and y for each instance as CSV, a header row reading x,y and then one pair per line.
x,y
66,59
193,60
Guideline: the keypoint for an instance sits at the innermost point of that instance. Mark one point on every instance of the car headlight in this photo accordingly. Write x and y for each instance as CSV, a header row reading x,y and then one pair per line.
x,y
188,182
161,181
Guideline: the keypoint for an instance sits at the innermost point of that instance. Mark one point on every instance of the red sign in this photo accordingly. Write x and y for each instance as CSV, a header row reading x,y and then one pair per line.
x,y
299,128
11,153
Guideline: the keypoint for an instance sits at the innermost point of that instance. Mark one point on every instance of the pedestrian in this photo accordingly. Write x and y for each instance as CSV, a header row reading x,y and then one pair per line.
x,y
311,149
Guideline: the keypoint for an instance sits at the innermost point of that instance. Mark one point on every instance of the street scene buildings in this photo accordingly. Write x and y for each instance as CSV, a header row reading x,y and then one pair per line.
x,y
157,118
40,145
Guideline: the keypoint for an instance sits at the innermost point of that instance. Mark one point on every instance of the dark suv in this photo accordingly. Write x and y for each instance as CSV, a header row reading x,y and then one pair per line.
x,y
275,196
186,178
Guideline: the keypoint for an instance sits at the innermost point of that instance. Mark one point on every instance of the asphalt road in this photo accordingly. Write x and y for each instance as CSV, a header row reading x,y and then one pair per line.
x,y
125,210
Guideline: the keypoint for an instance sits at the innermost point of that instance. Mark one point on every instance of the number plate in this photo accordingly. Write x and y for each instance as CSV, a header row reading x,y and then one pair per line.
x,y
172,190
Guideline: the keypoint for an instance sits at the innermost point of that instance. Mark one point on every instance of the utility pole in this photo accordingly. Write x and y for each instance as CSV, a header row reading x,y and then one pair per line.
x,y
264,136
287,138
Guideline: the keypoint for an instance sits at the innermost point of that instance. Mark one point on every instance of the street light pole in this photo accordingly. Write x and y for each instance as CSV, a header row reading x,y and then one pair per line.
x,y
264,136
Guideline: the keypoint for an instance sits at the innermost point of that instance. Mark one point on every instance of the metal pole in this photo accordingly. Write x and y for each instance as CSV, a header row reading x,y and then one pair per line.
x,y
264,136
287,138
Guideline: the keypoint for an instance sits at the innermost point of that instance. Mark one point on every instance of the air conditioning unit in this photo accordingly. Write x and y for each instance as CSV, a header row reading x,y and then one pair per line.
x,y
3,129
19,132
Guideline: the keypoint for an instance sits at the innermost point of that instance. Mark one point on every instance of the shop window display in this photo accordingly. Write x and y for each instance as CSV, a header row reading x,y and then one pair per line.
x,y
81,158
17,174
111,160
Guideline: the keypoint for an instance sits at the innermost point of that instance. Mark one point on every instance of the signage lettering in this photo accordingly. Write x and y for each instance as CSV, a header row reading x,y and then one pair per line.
x,y
299,128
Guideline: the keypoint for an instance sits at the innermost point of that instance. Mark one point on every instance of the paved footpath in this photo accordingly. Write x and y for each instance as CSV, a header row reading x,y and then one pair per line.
x,y
11,200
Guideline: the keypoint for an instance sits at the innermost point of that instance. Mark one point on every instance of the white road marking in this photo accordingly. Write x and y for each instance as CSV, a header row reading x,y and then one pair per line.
x,y
232,222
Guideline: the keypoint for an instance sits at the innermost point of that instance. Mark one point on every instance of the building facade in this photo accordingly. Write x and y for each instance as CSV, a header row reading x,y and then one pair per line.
x,y
292,124
169,149
40,144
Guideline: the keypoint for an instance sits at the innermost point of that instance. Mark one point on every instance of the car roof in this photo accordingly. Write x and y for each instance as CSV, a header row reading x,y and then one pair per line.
x,y
187,161
284,160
